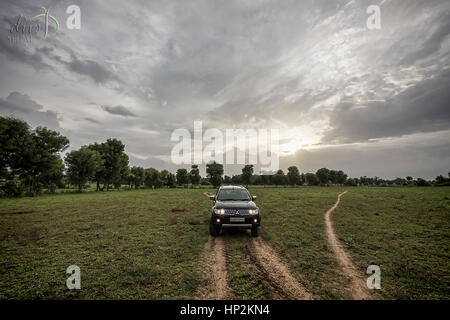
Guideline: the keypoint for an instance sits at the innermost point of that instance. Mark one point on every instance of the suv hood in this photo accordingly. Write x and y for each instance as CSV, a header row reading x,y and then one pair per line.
x,y
235,204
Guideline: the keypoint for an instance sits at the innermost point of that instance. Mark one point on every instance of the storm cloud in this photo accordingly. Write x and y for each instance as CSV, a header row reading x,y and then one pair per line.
x,y
21,106
118,110
311,69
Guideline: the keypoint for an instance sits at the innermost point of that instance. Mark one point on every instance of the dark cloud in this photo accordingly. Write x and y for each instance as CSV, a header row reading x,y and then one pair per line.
x,y
21,53
118,110
433,42
423,107
92,120
18,102
92,69
266,64
21,106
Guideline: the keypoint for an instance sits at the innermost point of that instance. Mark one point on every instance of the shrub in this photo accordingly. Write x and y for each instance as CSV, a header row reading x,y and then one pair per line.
x,y
12,189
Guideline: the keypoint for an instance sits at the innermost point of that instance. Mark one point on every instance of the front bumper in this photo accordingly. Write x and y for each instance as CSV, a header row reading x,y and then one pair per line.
x,y
247,222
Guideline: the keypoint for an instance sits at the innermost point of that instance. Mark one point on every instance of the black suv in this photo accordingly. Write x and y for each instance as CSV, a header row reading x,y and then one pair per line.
x,y
234,207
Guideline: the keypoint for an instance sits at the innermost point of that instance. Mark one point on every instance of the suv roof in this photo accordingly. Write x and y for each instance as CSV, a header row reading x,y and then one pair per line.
x,y
231,187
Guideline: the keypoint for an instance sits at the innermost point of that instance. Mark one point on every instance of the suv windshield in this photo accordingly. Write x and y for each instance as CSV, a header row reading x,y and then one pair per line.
x,y
233,195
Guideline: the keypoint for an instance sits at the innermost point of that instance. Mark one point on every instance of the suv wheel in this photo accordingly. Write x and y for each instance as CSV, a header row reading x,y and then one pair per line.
x,y
254,231
213,229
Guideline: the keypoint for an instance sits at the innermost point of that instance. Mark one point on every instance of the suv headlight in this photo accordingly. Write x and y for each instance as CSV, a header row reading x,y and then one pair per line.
x,y
219,211
253,211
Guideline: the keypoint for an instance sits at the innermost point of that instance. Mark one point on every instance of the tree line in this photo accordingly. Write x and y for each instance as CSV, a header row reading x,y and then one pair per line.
x,y
30,161
323,177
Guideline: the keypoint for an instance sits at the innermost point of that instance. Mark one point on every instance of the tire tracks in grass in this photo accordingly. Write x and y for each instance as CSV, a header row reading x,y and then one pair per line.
x,y
214,271
267,268
358,287
273,273
213,267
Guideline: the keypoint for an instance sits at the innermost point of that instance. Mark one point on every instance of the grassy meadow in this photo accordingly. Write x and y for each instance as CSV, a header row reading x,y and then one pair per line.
x,y
141,244
146,244
406,231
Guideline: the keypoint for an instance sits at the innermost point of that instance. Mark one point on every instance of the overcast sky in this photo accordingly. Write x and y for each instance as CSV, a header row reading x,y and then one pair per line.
x,y
370,102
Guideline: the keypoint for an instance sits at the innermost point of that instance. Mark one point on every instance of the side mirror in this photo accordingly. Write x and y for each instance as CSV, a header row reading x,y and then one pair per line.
x,y
253,198
213,198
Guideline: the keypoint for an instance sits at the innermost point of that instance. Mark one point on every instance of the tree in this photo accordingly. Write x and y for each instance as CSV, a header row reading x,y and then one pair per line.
x,y
323,175
302,179
279,178
265,179
39,154
82,165
171,180
227,180
99,176
53,178
336,177
164,178
256,180
205,182
247,172
340,177
214,172
400,182
422,183
311,179
13,134
194,175
182,177
442,181
115,162
351,182
137,176
236,179
293,176
151,178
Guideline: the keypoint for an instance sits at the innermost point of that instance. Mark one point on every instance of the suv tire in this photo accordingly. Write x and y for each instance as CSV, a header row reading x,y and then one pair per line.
x,y
254,231
213,230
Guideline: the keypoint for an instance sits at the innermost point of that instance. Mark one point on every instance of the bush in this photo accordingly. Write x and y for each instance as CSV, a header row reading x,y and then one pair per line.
x,y
12,189
422,183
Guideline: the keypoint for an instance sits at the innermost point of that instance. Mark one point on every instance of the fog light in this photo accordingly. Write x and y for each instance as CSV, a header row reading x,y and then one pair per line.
x,y
255,220
218,220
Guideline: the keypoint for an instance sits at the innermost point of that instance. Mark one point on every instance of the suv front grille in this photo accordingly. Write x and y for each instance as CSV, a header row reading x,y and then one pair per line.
x,y
236,211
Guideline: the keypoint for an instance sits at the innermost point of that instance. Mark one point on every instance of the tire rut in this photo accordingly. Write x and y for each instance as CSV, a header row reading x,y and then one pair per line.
x,y
214,270
273,273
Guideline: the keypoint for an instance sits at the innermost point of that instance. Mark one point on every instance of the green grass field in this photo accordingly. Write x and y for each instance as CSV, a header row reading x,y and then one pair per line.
x,y
129,245
406,231
146,244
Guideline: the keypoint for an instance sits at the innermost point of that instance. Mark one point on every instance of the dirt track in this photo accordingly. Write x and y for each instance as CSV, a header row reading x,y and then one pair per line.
x,y
274,273
358,286
214,271
270,270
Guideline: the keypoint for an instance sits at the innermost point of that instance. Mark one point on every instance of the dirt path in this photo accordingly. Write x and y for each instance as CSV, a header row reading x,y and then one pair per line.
x,y
214,269
358,286
273,273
